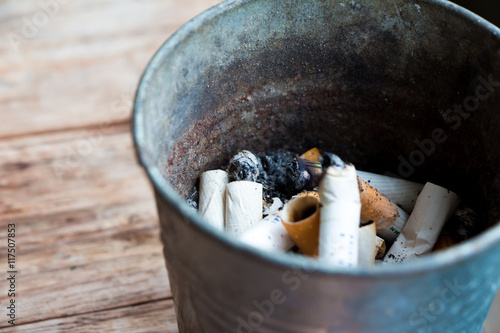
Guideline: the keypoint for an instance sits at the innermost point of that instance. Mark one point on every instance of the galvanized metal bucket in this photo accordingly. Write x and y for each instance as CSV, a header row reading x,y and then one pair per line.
x,y
408,87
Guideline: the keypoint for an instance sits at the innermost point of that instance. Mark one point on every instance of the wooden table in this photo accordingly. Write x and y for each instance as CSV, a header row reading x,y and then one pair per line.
x,y
88,254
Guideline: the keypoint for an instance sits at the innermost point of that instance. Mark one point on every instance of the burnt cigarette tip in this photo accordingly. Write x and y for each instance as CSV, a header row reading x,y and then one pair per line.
x,y
330,159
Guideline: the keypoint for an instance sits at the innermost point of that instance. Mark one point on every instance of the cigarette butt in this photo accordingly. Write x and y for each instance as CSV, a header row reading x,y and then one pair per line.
x,y
300,218
389,218
212,200
367,248
313,194
381,248
268,234
402,192
244,166
340,215
444,242
312,159
243,206
312,155
434,207
387,215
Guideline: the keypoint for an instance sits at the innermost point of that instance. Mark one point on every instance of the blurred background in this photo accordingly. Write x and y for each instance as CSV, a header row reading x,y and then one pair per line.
x,y
488,9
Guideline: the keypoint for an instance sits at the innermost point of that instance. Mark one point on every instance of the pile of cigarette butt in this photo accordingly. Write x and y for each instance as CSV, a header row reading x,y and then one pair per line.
x,y
325,208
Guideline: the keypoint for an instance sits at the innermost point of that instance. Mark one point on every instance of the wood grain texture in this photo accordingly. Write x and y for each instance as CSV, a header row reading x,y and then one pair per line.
x,y
88,251
88,238
150,317
77,64
68,171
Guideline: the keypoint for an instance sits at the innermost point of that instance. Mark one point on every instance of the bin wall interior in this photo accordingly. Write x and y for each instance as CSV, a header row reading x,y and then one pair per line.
x,y
377,82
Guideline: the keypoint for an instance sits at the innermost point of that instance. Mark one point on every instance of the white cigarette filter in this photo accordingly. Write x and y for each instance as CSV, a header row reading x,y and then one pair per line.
x,y
434,207
269,235
339,216
381,248
212,202
243,206
367,246
402,192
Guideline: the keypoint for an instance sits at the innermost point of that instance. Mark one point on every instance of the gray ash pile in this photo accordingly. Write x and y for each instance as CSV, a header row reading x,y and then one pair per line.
x,y
281,173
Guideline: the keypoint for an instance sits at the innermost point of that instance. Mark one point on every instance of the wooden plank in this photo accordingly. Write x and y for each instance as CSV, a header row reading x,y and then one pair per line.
x,y
87,237
80,66
95,286
155,317
69,171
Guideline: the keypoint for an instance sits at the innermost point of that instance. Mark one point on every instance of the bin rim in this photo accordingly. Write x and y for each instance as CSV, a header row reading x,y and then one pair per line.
x,y
441,260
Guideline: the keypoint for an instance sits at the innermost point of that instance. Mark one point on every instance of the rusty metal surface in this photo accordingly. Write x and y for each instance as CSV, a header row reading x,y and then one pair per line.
x,y
363,79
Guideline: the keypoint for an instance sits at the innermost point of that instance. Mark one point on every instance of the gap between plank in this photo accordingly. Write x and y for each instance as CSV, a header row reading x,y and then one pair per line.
x,y
96,311
121,123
